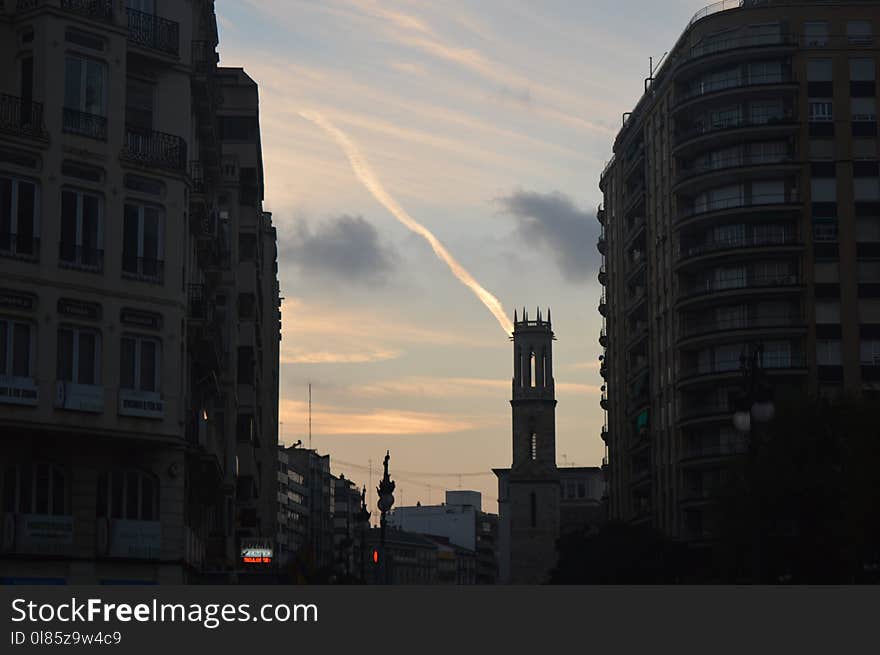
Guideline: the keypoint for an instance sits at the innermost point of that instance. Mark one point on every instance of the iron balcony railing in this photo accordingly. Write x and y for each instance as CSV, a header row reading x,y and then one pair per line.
x,y
71,255
153,32
153,148
738,201
144,268
22,117
23,246
84,124
98,9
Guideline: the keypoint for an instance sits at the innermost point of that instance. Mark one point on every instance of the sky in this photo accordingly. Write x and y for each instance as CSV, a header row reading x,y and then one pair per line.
x,y
429,166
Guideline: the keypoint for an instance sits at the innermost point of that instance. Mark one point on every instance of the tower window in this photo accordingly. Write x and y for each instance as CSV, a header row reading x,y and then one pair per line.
x,y
533,446
534,501
533,377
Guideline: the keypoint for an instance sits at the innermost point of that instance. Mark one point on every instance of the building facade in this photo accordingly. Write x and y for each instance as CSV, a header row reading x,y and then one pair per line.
x,y
117,237
293,511
349,530
318,556
462,522
529,491
741,215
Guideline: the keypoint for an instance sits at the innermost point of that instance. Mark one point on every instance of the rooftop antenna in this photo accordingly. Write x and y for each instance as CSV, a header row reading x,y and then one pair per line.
x,y
310,415
651,67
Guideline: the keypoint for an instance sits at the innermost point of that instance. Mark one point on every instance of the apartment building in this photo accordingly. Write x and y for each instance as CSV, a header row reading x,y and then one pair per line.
x,y
741,214
349,530
318,556
293,511
120,267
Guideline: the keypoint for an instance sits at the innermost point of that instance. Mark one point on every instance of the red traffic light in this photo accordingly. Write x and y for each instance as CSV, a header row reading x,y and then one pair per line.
x,y
375,556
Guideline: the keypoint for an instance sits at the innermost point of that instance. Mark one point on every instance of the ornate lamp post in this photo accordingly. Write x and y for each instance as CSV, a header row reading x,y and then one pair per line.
x,y
386,501
754,408
364,517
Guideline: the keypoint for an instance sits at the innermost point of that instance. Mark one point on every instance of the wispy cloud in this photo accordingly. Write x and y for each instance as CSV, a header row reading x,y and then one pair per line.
x,y
298,355
330,420
456,386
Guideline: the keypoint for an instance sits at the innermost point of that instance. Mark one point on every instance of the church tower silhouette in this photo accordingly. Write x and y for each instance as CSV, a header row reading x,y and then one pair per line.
x,y
529,491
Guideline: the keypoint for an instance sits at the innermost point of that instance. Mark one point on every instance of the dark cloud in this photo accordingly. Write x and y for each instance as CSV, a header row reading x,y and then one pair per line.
x,y
553,222
345,247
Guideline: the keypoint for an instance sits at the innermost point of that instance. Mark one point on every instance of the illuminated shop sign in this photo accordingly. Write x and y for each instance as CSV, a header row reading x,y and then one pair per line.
x,y
257,551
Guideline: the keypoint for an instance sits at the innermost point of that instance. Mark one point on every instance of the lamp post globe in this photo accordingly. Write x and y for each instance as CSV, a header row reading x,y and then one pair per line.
x,y
742,421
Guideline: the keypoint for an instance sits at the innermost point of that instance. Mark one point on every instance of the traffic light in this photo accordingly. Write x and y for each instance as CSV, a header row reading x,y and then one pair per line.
x,y
375,556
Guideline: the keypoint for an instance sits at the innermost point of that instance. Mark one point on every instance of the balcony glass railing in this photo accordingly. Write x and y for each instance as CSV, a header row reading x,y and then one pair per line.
x,y
744,81
740,282
704,326
713,164
22,117
769,360
702,128
715,46
736,201
696,249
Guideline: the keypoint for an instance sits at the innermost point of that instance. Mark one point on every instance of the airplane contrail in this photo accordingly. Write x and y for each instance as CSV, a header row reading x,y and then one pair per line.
x,y
365,174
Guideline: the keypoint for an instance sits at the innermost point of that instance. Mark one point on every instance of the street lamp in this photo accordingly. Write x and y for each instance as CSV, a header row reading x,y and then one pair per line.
x,y
386,501
364,516
754,408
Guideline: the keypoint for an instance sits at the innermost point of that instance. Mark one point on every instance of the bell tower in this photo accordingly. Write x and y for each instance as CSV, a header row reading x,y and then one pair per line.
x,y
529,492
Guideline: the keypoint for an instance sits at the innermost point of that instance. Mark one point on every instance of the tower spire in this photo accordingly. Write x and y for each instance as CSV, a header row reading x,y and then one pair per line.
x,y
548,315
514,315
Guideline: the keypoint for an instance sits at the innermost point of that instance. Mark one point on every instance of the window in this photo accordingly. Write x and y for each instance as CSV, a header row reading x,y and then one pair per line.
x,y
867,228
36,488
864,109
17,347
142,241
129,495
727,117
866,189
19,228
821,110
816,33
858,32
825,229
823,189
827,311
729,235
768,152
769,192
869,352
865,148
819,70
765,72
777,355
861,70
868,270
79,355
238,128
139,100
821,148
828,352
82,237
84,97
139,364
730,277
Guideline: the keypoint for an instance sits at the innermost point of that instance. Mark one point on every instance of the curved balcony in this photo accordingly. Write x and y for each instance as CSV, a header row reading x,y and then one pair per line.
x,y
634,200
603,275
603,402
695,254
602,245
714,289
710,412
603,338
724,89
600,215
732,205
716,329
731,132
713,455
635,298
637,334
793,364
603,306
713,52
731,169
604,433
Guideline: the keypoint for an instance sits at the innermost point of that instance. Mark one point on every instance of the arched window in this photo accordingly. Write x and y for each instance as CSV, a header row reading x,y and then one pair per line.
x,y
544,368
532,362
131,495
36,488
534,503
